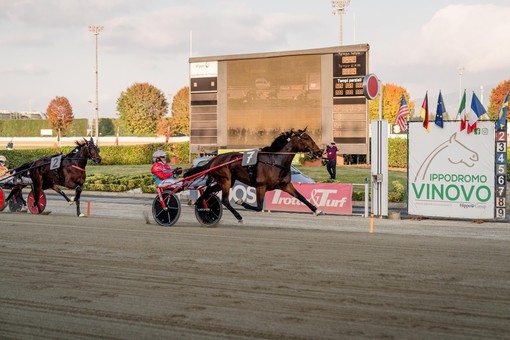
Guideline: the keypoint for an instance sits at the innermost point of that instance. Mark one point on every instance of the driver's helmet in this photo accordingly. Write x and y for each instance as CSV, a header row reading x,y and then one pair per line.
x,y
3,160
158,154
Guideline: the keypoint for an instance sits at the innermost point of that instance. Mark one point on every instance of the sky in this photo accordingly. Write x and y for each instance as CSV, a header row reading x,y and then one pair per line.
x,y
47,50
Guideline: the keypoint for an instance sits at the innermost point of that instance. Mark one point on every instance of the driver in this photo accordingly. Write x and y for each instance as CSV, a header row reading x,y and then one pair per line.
x,y
5,178
4,170
162,172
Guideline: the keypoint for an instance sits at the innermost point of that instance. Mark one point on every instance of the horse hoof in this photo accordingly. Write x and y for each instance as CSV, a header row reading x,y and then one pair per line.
x,y
240,202
81,215
240,221
71,201
318,212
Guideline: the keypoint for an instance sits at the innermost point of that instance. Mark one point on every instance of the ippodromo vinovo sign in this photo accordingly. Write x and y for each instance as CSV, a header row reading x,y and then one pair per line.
x,y
451,173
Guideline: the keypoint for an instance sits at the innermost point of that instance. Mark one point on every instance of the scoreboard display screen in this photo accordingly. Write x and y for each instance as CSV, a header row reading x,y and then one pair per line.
x,y
349,68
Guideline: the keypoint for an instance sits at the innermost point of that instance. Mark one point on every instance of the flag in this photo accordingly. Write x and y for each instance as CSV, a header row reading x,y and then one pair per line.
x,y
424,112
502,113
440,111
403,111
477,111
462,112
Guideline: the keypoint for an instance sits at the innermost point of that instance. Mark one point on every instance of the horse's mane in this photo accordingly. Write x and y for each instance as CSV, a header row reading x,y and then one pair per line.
x,y
79,145
279,142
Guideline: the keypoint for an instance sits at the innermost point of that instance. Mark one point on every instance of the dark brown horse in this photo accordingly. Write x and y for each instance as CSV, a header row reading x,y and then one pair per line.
x,y
70,174
271,171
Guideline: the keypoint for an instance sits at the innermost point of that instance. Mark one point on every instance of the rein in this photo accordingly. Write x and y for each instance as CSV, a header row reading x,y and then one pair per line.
x,y
77,167
278,153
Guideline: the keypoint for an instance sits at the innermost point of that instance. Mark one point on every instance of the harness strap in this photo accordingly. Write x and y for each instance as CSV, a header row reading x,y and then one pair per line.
x,y
252,169
77,167
274,164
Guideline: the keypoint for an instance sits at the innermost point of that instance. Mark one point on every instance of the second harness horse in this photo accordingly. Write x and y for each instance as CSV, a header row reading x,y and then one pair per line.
x,y
50,172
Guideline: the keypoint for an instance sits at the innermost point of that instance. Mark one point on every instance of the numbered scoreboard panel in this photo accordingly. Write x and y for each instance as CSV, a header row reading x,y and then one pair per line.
x,y
501,172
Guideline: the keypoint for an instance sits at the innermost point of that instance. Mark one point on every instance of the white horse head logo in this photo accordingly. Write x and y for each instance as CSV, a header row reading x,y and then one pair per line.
x,y
455,152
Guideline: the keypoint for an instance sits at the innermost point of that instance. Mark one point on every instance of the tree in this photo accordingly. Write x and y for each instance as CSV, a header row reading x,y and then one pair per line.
x,y
141,107
60,115
496,98
392,95
179,122
106,127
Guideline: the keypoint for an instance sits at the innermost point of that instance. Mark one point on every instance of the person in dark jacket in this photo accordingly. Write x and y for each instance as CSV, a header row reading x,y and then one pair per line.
x,y
331,151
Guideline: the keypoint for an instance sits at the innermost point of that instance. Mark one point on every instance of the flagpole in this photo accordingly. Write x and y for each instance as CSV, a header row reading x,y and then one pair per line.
x,y
380,99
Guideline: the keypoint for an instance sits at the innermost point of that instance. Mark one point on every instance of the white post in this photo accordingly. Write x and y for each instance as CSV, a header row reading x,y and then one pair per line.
x,y
95,30
379,168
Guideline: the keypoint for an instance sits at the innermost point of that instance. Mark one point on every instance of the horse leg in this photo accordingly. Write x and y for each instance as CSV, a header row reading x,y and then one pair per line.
x,y
36,189
261,192
77,200
14,192
63,194
17,193
291,190
226,203
225,190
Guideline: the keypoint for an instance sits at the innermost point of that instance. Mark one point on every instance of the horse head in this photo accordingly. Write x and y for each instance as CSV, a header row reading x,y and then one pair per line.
x,y
460,153
92,151
302,142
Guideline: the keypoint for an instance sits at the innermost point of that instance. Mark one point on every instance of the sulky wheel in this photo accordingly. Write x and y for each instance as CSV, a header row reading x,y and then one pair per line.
x,y
31,202
166,213
2,200
208,210
16,202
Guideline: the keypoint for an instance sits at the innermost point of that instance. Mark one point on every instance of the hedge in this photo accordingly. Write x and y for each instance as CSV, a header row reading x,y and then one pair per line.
x,y
111,155
33,127
397,153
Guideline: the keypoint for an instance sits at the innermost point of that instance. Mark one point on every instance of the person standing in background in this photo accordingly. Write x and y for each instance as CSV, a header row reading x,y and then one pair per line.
x,y
331,151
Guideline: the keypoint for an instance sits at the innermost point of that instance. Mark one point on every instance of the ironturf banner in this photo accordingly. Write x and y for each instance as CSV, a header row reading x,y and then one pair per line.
x,y
328,197
451,173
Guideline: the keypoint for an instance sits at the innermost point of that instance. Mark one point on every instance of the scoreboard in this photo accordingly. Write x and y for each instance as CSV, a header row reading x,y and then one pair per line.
x,y
349,69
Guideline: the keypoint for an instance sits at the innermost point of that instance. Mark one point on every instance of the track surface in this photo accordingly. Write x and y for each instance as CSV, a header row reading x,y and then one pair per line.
x,y
278,276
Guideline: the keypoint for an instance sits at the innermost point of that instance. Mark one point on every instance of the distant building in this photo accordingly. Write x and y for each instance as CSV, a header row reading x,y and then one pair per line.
x,y
8,115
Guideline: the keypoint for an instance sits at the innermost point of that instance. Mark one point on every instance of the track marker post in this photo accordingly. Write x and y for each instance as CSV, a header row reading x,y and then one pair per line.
x,y
371,223
88,208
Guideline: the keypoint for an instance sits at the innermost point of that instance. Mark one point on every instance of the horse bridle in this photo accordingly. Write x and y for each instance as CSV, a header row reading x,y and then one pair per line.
x,y
301,140
90,153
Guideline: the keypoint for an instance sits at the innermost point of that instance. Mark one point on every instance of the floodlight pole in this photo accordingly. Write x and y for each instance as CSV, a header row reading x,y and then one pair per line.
x,y
96,30
461,71
339,8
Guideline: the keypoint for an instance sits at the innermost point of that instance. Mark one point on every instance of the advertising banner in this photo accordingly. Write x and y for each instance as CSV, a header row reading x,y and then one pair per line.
x,y
451,173
330,198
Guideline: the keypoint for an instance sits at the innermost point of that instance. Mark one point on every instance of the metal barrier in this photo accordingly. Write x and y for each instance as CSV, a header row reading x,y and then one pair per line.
x,y
365,185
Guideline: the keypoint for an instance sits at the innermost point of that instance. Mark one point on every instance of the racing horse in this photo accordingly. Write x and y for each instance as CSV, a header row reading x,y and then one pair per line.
x,y
70,174
271,171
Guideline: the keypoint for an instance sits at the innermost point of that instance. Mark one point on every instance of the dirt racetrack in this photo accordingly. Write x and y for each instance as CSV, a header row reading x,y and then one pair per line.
x,y
64,277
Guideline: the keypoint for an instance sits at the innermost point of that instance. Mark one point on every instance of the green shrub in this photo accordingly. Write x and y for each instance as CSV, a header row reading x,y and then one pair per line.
x,y
397,193
397,153
119,183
